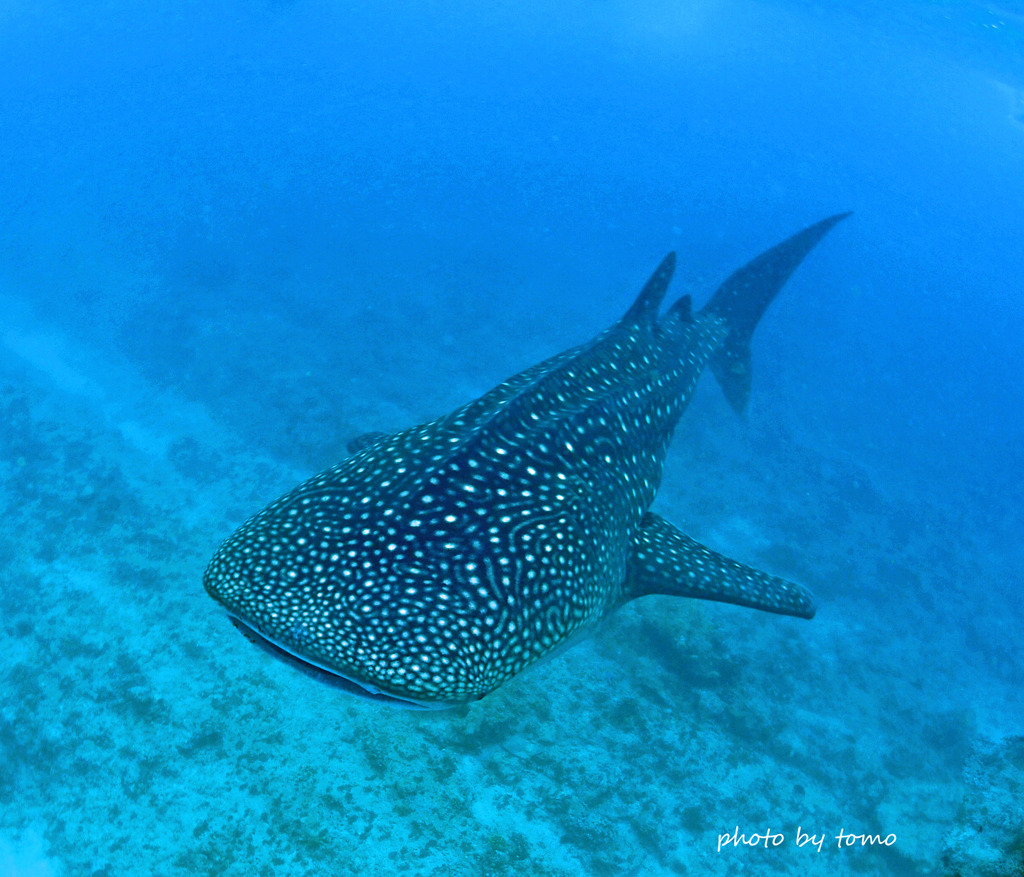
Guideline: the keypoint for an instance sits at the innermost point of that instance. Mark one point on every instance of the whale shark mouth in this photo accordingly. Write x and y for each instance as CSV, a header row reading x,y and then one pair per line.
x,y
326,675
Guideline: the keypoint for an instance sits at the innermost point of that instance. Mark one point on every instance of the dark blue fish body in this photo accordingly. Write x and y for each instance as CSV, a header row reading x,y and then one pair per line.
x,y
434,564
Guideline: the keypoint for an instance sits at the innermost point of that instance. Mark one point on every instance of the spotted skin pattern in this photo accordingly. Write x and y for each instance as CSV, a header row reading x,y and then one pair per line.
x,y
433,565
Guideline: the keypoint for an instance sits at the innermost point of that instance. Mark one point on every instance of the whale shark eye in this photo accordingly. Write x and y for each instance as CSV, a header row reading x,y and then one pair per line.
x,y
408,570
300,633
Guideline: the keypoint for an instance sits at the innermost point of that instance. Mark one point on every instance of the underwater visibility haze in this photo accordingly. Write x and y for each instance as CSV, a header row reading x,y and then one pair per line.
x,y
243,241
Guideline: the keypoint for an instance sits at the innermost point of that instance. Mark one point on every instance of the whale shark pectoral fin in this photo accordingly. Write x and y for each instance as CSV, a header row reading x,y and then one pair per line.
x,y
667,561
362,442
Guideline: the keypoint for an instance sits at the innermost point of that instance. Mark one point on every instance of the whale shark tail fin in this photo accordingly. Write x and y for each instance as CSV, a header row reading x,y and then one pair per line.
x,y
744,297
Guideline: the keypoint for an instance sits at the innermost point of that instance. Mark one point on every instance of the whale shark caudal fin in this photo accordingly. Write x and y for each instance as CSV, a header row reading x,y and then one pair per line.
x,y
742,300
667,561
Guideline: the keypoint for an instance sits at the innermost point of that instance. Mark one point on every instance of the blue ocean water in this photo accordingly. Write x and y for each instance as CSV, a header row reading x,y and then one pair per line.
x,y
236,235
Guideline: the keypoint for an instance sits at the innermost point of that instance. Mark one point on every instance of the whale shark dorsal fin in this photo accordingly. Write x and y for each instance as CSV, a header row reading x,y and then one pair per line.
x,y
645,308
667,561
742,300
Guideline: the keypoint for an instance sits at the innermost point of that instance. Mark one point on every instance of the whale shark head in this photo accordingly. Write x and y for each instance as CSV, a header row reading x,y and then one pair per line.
x,y
409,573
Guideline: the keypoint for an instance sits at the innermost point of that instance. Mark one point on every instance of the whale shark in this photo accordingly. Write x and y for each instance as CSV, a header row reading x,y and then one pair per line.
x,y
434,564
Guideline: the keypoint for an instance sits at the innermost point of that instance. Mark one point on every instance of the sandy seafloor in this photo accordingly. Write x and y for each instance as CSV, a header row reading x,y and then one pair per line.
x,y
140,734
